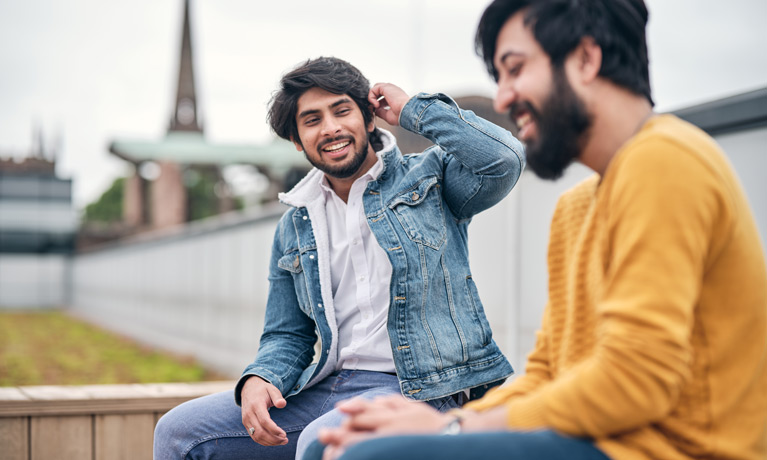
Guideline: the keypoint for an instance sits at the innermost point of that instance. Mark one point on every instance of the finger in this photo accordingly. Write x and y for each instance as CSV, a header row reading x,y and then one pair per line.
x,y
276,397
267,424
331,436
393,401
265,438
354,405
379,91
332,453
375,94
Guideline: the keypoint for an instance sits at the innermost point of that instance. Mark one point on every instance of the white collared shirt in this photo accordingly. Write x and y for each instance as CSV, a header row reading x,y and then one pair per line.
x,y
360,273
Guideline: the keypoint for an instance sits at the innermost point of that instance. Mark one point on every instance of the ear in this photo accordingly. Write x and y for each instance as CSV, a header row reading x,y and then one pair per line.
x,y
298,144
372,124
586,60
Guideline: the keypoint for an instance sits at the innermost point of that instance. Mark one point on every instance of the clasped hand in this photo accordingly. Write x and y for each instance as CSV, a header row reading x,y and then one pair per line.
x,y
385,416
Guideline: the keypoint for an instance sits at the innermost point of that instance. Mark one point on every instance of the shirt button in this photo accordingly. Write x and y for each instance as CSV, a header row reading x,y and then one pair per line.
x,y
306,217
311,256
362,278
354,242
416,196
319,305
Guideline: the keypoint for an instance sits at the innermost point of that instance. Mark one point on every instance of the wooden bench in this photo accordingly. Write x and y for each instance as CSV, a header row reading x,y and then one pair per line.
x,y
94,422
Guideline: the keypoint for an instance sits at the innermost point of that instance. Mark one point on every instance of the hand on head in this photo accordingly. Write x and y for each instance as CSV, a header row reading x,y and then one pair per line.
x,y
387,101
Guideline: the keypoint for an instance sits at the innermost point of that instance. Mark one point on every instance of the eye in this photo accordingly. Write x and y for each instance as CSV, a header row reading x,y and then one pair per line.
x,y
343,111
515,69
310,121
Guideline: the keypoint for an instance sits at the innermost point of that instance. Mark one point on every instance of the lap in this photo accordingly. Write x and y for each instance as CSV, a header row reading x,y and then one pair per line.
x,y
489,445
211,426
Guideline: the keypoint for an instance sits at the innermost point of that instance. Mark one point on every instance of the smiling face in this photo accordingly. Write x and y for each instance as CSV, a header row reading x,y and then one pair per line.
x,y
552,120
333,134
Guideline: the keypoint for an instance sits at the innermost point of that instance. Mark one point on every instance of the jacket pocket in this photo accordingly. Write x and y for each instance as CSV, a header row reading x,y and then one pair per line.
x,y
419,210
290,262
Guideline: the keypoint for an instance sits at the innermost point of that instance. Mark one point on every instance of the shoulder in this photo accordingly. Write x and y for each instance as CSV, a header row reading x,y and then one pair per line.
x,y
668,146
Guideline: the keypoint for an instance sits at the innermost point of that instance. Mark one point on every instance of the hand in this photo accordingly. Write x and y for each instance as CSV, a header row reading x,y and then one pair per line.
x,y
387,101
258,396
385,416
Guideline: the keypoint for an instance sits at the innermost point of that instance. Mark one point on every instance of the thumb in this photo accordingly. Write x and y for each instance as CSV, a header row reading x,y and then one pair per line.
x,y
277,400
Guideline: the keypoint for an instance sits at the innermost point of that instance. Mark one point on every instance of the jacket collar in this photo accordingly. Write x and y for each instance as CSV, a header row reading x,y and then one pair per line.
x,y
308,189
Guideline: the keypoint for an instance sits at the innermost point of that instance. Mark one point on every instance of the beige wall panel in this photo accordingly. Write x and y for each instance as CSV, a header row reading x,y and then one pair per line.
x,y
124,437
62,438
14,438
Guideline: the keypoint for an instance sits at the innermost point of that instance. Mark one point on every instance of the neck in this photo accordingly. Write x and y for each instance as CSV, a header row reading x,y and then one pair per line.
x,y
342,187
617,116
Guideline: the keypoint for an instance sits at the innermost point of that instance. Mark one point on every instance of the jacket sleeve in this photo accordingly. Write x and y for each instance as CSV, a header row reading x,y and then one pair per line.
x,y
482,161
287,342
660,232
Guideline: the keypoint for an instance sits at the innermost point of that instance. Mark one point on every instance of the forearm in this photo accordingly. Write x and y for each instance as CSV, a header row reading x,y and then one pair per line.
x,y
482,161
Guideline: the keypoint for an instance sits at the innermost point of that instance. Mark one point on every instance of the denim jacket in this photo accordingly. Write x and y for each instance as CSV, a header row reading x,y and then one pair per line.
x,y
418,209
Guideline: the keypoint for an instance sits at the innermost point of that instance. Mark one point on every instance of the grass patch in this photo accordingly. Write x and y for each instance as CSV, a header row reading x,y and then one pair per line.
x,y
51,348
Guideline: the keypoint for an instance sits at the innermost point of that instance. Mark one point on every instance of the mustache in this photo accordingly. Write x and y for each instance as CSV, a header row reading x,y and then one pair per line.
x,y
325,142
517,108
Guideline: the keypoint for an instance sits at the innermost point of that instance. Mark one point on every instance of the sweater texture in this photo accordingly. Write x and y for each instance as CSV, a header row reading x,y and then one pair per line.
x,y
654,338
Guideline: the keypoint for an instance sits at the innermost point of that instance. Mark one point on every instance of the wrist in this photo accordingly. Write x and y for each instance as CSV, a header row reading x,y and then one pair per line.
x,y
455,422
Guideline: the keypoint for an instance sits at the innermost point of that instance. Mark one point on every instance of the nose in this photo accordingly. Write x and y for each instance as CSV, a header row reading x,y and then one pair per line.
x,y
504,96
330,126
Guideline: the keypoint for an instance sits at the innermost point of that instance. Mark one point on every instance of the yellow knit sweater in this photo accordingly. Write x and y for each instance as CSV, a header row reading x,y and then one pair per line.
x,y
654,339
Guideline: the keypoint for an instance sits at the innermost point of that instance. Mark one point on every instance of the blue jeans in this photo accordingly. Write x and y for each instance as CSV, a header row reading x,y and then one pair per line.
x,y
516,445
211,427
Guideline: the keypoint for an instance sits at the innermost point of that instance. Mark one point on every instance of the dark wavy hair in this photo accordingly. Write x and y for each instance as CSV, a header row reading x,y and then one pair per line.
x,y
329,73
617,26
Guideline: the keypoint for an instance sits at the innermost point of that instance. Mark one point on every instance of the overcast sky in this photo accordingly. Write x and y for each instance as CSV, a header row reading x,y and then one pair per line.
x,y
91,71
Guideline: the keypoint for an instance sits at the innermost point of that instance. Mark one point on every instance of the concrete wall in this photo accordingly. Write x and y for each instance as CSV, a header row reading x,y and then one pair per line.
x,y
747,150
33,281
200,291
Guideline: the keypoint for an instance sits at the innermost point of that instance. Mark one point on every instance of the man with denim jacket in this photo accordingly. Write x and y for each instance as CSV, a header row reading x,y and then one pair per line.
x,y
370,287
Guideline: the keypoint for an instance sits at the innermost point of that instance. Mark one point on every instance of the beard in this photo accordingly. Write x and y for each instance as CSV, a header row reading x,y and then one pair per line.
x,y
344,170
562,129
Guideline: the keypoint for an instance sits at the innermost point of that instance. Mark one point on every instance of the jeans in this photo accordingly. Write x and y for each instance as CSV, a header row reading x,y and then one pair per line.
x,y
211,427
518,445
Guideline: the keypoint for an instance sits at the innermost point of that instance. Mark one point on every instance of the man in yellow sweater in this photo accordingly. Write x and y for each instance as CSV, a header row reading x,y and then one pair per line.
x,y
654,339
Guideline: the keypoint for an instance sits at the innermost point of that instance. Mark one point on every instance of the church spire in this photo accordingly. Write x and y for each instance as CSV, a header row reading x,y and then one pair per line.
x,y
185,114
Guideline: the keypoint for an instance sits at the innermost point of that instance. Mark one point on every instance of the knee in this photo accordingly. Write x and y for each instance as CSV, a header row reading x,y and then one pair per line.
x,y
313,451
169,436
307,439
166,426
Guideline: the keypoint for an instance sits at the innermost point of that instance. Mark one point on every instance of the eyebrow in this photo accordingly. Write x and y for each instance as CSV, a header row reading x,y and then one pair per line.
x,y
344,100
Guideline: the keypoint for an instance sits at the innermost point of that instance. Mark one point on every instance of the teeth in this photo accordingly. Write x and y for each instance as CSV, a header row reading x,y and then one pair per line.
x,y
522,120
336,147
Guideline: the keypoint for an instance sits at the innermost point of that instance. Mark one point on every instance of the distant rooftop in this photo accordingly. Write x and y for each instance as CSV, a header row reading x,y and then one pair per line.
x,y
743,111
191,148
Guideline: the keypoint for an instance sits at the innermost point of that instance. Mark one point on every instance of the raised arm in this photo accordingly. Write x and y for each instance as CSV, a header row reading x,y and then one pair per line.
x,y
482,161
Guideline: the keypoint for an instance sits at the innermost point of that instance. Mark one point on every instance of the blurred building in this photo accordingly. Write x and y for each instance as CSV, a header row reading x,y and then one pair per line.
x,y
38,225
36,212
